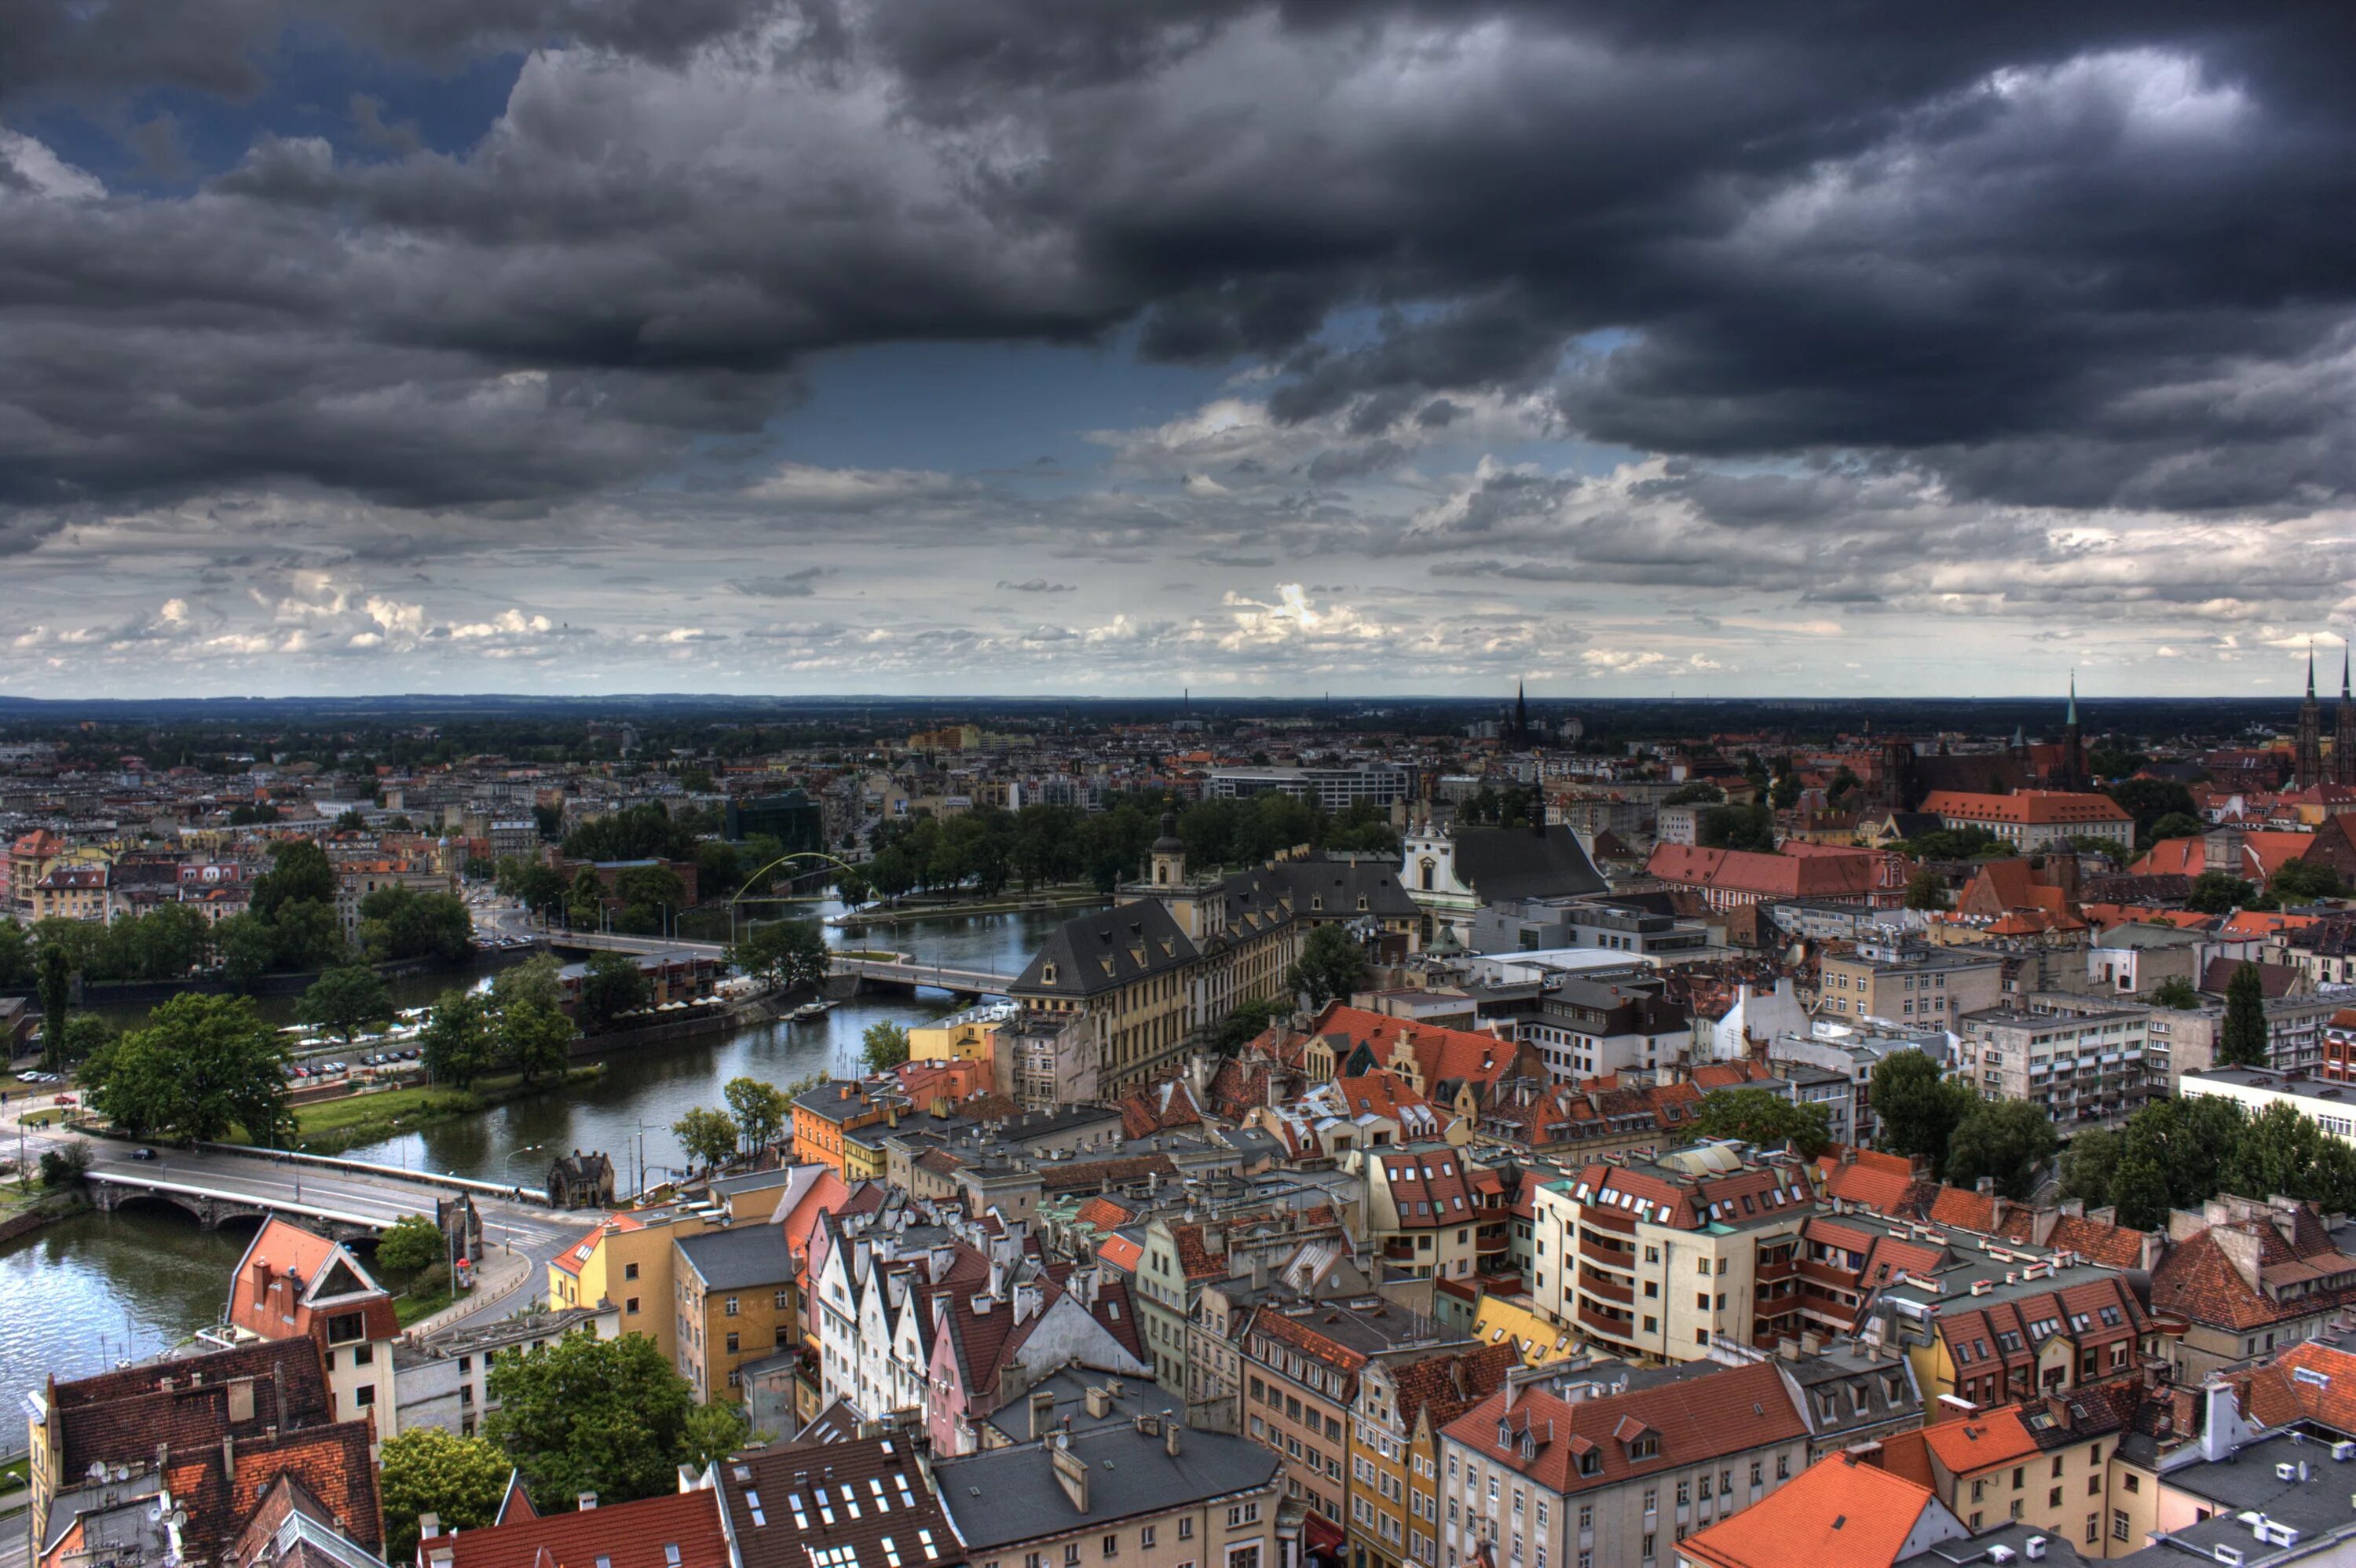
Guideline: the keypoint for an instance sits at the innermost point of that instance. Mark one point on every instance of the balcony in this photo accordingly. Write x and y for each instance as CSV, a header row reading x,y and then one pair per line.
x,y
1620,1328
1604,1290
1786,1268
1399,1249
1489,1246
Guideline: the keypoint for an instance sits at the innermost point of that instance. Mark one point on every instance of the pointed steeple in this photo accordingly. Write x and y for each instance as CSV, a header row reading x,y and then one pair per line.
x,y
2072,716
2311,669
2343,669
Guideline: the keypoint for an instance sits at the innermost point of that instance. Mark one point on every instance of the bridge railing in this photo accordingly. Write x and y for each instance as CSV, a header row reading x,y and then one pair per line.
x,y
142,1183
508,1191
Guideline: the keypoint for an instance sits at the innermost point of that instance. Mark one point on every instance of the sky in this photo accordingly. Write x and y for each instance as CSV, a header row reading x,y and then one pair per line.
x,y
933,346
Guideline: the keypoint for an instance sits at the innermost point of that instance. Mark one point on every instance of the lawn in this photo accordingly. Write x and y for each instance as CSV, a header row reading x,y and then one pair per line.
x,y
414,1307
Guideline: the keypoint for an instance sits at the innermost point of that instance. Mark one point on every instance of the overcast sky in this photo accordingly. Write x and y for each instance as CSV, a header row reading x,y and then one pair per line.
x,y
1112,345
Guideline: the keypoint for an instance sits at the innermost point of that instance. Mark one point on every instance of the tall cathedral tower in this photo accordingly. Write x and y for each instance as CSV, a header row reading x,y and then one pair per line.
x,y
1521,714
2306,755
2073,751
2344,729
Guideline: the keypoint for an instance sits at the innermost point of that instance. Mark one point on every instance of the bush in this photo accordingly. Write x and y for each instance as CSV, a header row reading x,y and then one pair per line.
x,y
65,1167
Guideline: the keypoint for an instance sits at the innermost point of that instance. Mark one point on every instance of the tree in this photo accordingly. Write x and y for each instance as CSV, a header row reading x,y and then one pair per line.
x,y
306,935
713,1431
760,1110
203,1065
2005,1139
1699,791
1749,826
56,989
2282,1154
1331,968
17,964
87,1034
536,1040
2089,1166
584,1414
428,1469
1918,1106
649,895
707,1135
409,1246
1785,794
2243,1041
2148,800
1926,889
346,1001
2176,992
1763,1117
884,1045
247,946
612,985
785,952
458,1043
585,900
541,889
398,922
2177,825
1246,1022
2218,892
538,979
2301,881
299,873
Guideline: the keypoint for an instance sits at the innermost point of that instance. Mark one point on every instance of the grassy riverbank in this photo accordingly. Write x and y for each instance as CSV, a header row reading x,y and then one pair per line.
x,y
331,1126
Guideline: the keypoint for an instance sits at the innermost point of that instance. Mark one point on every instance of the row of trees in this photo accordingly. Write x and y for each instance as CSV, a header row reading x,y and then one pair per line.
x,y
580,1414
758,1115
2176,1154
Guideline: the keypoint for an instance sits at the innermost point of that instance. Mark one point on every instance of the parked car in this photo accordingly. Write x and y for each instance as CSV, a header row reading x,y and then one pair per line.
x,y
142,1154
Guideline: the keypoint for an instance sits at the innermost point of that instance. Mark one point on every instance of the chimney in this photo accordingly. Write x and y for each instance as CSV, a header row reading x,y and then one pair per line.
x,y
1169,1438
1043,1411
429,1525
584,1501
1071,1472
1985,1186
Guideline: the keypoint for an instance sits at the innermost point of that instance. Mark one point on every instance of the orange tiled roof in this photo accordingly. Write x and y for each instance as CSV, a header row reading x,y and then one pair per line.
x,y
1837,1514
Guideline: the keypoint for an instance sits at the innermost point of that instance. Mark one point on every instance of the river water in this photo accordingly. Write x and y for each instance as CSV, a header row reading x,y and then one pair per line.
x,y
77,1297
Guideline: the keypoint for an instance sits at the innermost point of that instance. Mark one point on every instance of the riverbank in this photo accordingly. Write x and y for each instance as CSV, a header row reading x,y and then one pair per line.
x,y
22,1214
331,1126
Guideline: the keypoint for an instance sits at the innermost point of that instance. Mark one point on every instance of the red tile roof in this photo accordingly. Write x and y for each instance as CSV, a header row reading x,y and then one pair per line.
x,y
627,1535
1696,1420
1837,1514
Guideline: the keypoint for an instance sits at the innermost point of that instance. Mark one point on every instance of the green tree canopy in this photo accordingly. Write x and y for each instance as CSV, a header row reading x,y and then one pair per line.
x,y
760,1110
306,934
1763,1117
1926,889
2148,800
1749,826
16,961
203,1065
1919,1106
536,1040
785,952
346,1002
2174,992
2303,881
2218,892
584,1414
460,1042
612,985
1331,968
2089,1165
537,979
2177,825
402,922
428,1469
2007,1139
1699,791
409,1246
883,1045
2243,1041
56,990
708,1136
1246,1022
299,874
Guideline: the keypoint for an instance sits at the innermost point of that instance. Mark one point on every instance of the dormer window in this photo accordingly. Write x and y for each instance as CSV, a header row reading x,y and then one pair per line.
x,y
1591,1462
1046,974
1648,1446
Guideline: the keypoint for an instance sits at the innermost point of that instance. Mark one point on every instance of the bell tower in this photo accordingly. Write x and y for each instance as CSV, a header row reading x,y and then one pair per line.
x,y
1169,854
2344,729
2307,750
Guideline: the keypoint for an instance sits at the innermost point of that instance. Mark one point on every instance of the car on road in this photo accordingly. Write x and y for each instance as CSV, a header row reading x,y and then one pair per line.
x,y
142,1154
65,1100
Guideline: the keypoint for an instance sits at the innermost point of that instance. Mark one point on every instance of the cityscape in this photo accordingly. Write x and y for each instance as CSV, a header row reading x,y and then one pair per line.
x,y
1185,784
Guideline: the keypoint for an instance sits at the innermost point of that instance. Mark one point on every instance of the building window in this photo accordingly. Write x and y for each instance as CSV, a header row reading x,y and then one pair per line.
x,y
730,1308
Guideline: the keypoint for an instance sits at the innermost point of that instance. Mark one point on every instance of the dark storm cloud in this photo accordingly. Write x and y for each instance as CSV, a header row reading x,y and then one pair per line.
x,y
2081,256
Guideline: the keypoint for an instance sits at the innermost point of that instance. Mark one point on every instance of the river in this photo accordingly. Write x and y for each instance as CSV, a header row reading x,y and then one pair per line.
x,y
76,1297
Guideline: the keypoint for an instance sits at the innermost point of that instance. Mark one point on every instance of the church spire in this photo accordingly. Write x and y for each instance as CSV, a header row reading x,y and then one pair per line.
x,y
2311,669
2072,717
2343,669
